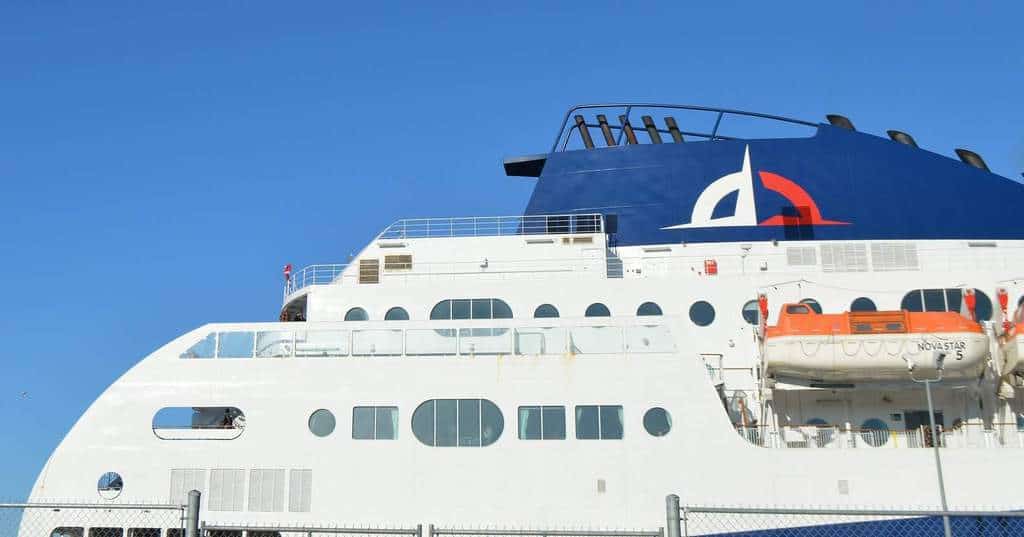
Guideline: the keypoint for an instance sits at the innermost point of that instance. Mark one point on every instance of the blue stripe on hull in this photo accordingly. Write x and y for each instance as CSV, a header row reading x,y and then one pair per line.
x,y
903,527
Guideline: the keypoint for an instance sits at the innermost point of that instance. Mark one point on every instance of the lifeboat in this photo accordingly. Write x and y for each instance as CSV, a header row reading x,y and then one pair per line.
x,y
868,346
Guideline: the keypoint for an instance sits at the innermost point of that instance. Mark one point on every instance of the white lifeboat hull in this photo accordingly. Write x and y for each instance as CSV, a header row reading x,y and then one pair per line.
x,y
875,356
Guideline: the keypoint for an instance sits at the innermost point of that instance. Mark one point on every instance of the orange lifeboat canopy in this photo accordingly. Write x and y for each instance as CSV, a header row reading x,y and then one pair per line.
x,y
800,320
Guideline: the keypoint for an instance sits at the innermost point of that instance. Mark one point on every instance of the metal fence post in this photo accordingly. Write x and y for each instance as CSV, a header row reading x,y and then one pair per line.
x,y
672,515
192,514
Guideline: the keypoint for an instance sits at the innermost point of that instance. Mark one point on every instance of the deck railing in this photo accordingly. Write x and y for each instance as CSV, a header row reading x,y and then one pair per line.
x,y
1000,435
321,274
486,226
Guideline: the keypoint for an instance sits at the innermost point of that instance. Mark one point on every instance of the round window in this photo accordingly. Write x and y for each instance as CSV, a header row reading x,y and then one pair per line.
x,y
875,432
110,485
813,304
597,309
863,304
321,423
545,311
657,421
356,314
702,313
751,312
648,309
396,314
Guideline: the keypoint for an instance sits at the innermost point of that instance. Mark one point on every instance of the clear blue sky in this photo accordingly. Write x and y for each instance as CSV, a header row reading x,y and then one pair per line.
x,y
159,163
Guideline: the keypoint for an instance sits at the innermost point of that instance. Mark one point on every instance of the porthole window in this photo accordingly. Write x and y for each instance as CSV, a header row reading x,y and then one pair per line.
x,y
751,312
471,308
110,485
457,422
946,300
875,432
356,314
648,308
863,304
321,423
396,314
545,311
657,421
813,304
597,309
702,313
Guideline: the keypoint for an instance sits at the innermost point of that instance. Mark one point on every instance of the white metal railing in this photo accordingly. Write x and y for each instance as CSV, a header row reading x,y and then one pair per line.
x,y
835,437
313,275
480,226
295,340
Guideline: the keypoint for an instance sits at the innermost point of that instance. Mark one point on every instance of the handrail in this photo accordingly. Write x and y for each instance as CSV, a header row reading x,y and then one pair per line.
x,y
628,107
484,226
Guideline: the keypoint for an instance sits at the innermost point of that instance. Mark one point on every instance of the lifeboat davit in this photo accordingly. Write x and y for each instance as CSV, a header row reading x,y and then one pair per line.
x,y
867,346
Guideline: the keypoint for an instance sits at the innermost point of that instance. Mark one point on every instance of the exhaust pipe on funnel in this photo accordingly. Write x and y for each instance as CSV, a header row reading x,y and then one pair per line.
x,y
971,158
902,137
842,122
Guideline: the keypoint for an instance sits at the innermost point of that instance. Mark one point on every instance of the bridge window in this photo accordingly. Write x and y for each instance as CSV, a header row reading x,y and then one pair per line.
x,y
471,308
813,304
545,311
321,423
542,423
235,344
356,314
751,312
863,304
648,309
396,314
702,313
657,421
375,423
599,422
110,485
597,309
198,423
946,300
457,422
205,348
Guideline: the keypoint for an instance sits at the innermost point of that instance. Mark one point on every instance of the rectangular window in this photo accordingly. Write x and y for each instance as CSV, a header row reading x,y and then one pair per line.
x,y
175,532
469,422
446,422
602,422
374,422
235,344
934,300
144,532
460,309
106,532
542,423
205,348
482,308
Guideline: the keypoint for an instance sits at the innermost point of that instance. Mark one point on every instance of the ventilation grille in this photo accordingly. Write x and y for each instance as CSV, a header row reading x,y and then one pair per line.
x,y
300,489
227,490
844,258
184,480
398,262
266,491
804,256
369,271
887,256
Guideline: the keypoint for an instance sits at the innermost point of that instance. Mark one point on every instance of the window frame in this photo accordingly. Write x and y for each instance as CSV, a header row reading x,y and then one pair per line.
x,y
356,310
601,409
605,312
458,404
541,411
376,410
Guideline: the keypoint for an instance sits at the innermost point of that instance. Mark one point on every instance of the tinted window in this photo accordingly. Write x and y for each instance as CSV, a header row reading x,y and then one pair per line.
x,y
477,308
934,300
321,423
648,308
912,301
946,300
863,304
813,304
545,311
356,314
374,422
396,314
442,310
657,421
542,422
702,313
599,422
462,422
597,310
751,312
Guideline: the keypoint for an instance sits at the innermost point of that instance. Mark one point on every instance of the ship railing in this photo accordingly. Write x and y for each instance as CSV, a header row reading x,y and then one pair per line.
x,y
433,338
630,119
1000,435
487,226
321,274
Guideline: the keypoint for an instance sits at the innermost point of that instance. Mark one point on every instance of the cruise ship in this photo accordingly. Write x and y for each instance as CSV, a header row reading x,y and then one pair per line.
x,y
735,307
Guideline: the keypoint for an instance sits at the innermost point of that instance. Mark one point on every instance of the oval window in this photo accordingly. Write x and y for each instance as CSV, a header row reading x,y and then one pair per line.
x,y
702,313
657,421
198,423
356,314
321,423
545,311
110,485
396,314
751,312
648,308
875,432
863,304
457,422
813,304
597,309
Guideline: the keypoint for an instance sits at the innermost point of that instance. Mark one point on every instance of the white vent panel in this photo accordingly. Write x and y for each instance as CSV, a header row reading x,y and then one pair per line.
x,y
266,491
803,256
184,480
300,489
844,258
227,490
887,256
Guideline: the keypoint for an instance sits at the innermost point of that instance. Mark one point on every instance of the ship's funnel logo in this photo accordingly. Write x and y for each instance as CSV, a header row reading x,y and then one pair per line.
x,y
804,211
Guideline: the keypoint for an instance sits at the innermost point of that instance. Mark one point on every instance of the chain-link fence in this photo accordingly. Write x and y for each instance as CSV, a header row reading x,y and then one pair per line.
x,y
744,522
433,531
89,520
250,530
